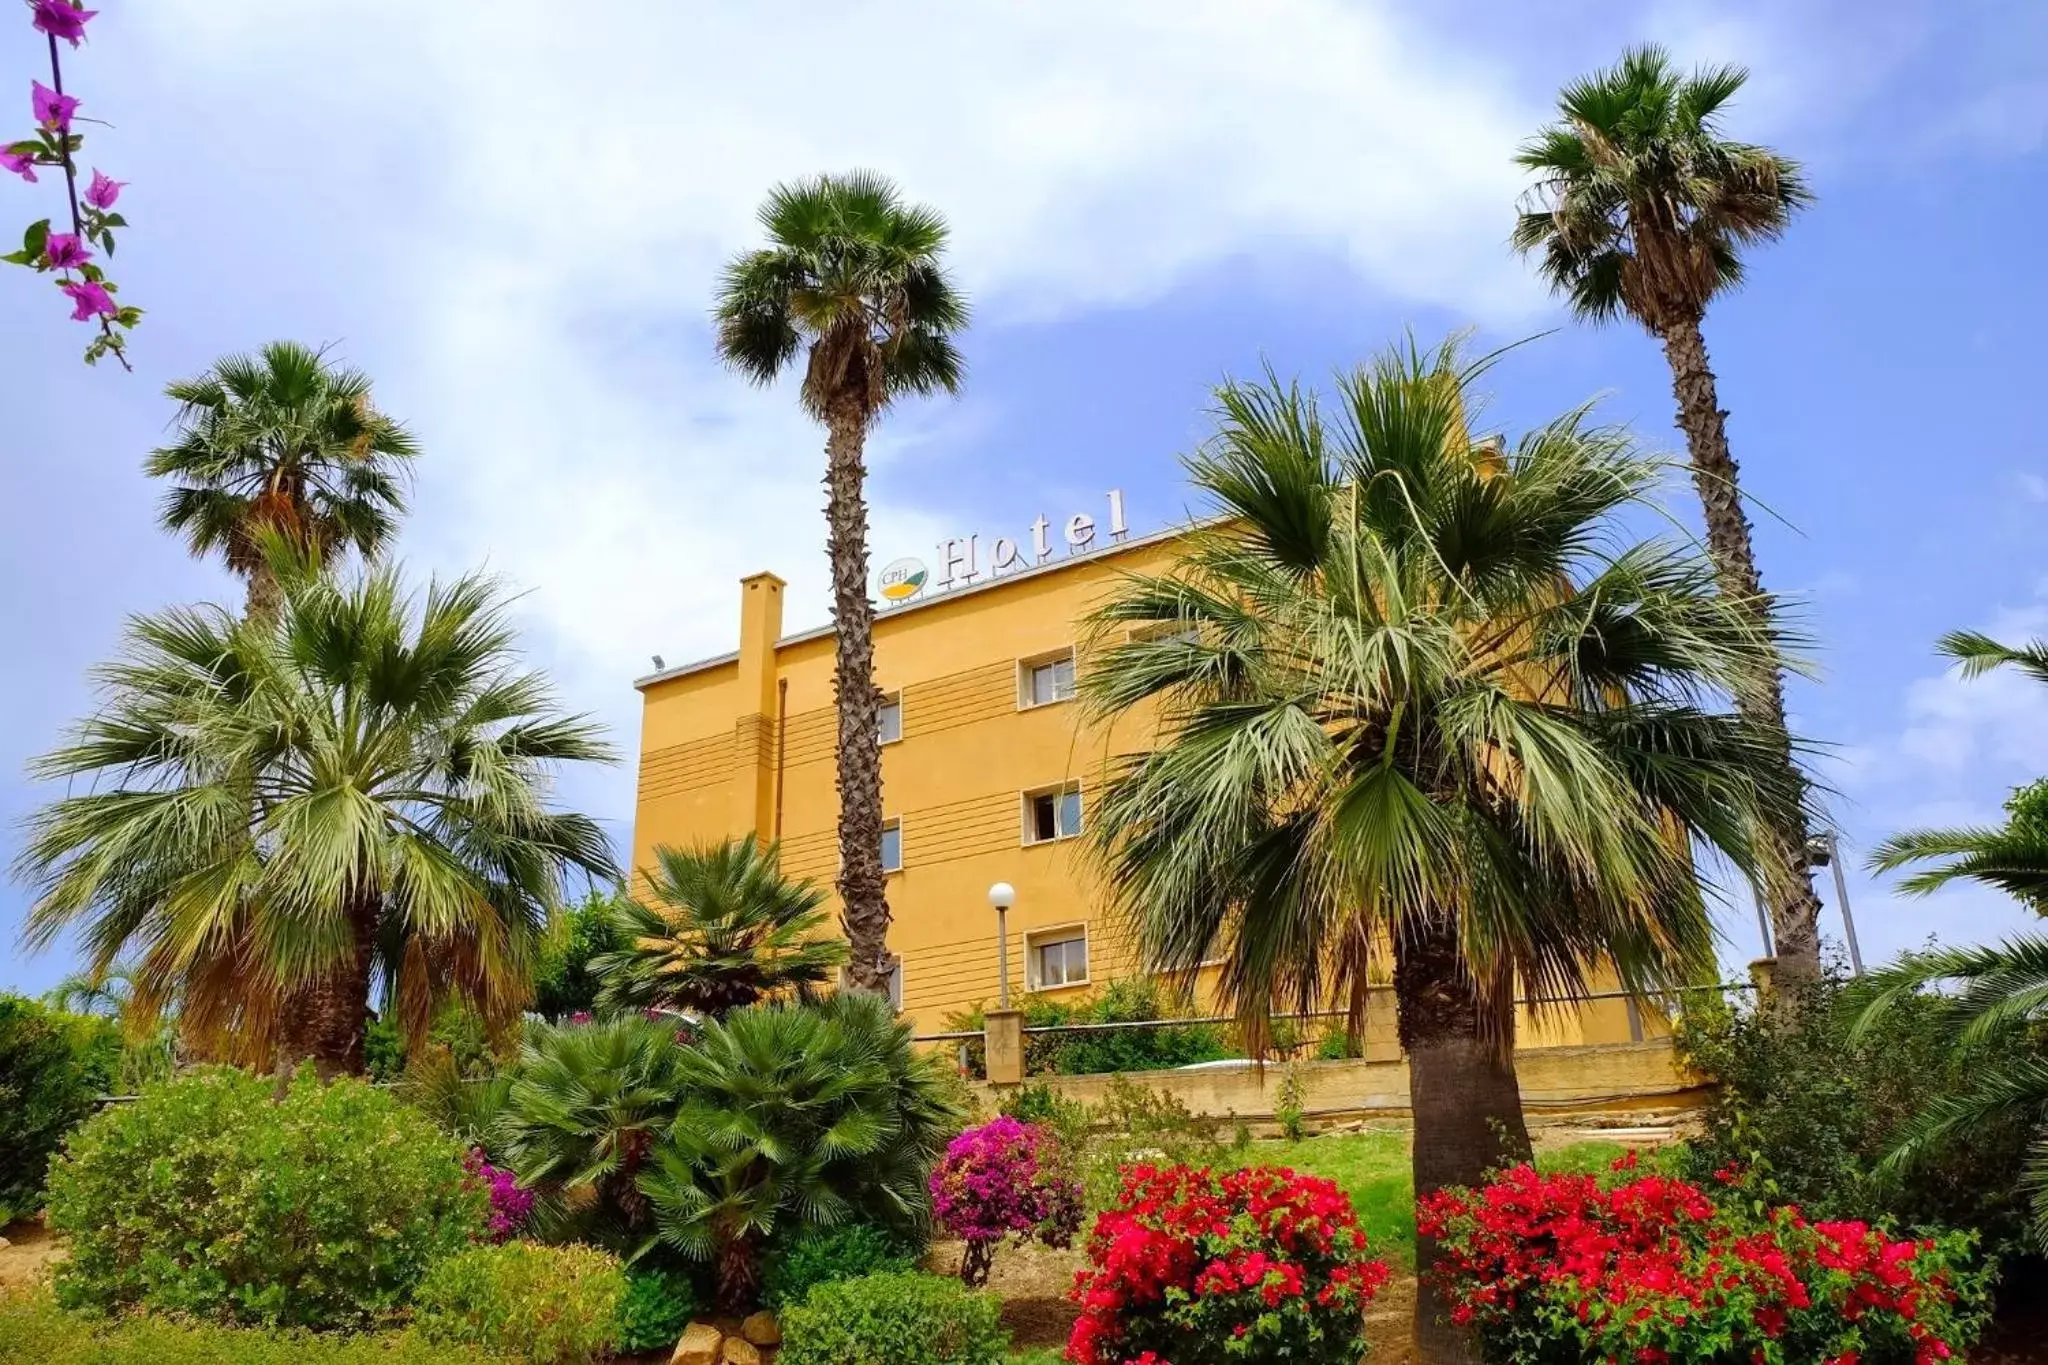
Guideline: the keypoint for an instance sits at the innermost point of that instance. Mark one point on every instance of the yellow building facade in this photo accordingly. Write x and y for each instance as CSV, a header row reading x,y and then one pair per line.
x,y
988,774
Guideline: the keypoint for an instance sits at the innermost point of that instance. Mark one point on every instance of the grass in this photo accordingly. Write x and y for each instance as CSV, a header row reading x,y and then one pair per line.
x,y
1372,1167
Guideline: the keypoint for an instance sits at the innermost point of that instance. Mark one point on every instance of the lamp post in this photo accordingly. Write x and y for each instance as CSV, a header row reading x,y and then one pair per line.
x,y
1002,896
1822,851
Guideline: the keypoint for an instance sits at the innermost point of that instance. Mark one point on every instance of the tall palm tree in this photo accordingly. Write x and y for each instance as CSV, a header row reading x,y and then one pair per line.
x,y
1421,698
287,443
1642,207
723,929
278,808
852,277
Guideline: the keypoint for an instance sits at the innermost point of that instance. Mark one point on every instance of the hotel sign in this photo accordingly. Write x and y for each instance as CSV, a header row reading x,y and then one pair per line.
x,y
961,562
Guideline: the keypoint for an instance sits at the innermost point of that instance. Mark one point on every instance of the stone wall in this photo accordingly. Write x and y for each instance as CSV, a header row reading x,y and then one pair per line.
x,y
1606,1078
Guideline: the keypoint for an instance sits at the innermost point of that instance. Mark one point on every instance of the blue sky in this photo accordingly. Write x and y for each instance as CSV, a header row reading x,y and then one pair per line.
x,y
511,215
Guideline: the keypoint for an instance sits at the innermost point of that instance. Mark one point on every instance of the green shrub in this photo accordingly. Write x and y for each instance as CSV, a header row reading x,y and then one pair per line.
x,y
793,1115
52,1067
547,1305
656,1307
35,1331
1135,1123
1090,1054
900,1318
210,1197
827,1255
1805,1116
563,983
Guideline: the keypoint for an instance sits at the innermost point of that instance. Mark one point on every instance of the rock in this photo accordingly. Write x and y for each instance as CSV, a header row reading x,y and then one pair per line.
x,y
762,1329
699,1345
740,1351
4,1244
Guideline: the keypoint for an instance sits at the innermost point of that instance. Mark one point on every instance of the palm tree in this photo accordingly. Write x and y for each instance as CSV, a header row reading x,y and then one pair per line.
x,y
1998,996
1991,1020
586,1108
851,275
797,1114
724,929
2012,858
104,993
281,442
1420,698
280,808
1642,207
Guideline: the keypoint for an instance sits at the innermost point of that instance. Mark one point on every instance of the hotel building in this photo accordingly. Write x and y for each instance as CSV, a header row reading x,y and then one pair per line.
x,y
988,772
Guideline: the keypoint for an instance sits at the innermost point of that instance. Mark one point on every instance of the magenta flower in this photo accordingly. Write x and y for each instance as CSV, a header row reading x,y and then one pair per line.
x,y
61,19
20,164
92,299
65,251
52,109
102,192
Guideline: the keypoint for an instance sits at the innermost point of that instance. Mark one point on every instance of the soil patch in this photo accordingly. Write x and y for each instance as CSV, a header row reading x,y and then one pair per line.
x,y
30,1252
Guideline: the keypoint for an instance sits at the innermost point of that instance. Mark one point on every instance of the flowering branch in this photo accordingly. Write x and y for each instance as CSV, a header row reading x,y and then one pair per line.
x,y
69,255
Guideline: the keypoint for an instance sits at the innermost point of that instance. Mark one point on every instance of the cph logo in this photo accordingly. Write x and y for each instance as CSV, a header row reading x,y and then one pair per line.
x,y
901,580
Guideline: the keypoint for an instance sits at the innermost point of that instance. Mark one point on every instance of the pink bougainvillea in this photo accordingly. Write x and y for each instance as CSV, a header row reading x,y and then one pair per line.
x,y
54,141
1002,1180
511,1206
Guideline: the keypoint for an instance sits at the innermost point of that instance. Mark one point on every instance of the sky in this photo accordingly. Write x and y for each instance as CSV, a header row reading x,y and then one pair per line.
x,y
512,214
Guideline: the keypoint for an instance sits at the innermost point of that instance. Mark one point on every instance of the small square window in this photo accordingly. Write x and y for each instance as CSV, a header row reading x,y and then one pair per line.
x,y
1059,959
1048,680
892,846
889,720
1052,814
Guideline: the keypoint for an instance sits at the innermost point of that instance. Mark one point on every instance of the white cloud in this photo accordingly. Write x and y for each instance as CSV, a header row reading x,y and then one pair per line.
x,y
2032,486
559,184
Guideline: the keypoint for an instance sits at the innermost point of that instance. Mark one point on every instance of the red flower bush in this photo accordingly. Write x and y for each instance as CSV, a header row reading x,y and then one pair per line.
x,y
1196,1267
1646,1269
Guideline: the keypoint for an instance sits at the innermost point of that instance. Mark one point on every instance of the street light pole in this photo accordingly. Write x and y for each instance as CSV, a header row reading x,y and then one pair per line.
x,y
1842,895
1823,851
1002,896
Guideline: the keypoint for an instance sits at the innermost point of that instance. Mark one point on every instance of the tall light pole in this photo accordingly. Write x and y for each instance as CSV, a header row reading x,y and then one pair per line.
x,y
1002,896
1822,851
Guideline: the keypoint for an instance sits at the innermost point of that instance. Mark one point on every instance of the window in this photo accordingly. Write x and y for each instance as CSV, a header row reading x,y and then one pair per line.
x,y
1054,813
890,719
1058,958
1042,682
892,846
1163,631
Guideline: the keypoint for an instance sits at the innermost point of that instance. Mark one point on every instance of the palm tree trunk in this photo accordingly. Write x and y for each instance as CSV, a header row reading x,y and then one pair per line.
x,y
863,899
331,1015
266,598
1788,883
738,1274
1462,1092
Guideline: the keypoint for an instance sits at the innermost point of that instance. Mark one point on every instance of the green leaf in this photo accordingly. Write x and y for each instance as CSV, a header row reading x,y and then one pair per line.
x,y
36,237
128,316
114,220
26,147
107,241
18,258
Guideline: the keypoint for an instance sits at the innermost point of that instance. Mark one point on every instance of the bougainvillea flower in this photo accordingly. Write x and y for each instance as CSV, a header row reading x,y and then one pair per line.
x,y
102,192
20,164
62,19
52,109
65,251
91,298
